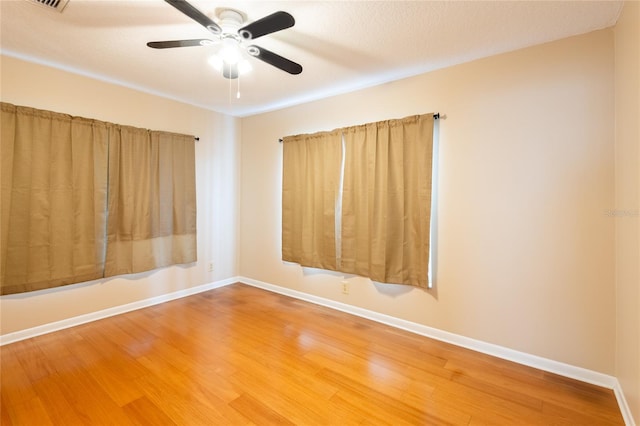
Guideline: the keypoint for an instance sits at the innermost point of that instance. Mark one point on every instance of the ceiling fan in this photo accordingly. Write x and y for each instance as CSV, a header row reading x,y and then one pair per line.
x,y
234,37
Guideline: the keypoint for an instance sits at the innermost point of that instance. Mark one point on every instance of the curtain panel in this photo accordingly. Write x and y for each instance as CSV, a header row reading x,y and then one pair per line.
x,y
152,201
310,184
54,194
386,207
358,200
59,179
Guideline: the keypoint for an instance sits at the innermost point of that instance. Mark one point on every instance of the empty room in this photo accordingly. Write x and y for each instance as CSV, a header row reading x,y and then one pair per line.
x,y
320,212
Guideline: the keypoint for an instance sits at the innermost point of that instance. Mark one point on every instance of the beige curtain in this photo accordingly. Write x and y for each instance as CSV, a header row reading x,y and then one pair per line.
x,y
54,193
310,191
387,200
84,199
152,200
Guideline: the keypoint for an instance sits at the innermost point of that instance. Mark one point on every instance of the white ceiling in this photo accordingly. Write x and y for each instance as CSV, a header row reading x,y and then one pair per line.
x,y
342,45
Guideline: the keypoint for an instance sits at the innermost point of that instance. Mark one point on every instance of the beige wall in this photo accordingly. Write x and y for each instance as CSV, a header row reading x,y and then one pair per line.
x,y
217,167
627,203
525,252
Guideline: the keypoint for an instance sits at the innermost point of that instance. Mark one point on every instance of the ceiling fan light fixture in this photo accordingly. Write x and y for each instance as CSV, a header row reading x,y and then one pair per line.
x,y
216,62
244,67
230,51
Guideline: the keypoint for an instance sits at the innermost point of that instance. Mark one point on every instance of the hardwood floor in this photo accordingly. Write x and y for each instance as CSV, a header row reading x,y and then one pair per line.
x,y
239,355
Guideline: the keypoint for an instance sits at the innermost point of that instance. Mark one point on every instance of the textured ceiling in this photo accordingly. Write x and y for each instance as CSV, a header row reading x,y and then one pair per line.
x,y
342,45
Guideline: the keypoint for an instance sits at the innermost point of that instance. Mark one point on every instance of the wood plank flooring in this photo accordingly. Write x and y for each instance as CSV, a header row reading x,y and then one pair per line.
x,y
239,355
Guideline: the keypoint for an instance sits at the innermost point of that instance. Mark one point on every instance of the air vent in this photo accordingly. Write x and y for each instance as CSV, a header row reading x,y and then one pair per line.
x,y
56,5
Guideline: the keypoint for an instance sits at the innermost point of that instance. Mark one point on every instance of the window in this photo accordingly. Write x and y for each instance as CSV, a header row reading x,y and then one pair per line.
x,y
84,199
372,183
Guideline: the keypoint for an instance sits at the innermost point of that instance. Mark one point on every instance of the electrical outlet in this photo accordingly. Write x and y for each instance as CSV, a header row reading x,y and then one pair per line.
x,y
345,287
210,266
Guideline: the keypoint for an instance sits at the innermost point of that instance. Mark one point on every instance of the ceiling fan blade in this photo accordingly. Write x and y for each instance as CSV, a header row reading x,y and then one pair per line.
x,y
179,43
269,24
274,59
196,15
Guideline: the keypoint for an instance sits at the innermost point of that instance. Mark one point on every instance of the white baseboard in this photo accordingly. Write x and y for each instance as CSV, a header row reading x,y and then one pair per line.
x,y
105,313
556,367
624,407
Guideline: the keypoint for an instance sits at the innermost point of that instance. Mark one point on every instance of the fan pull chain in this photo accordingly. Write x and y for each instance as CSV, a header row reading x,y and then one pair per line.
x,y
238,90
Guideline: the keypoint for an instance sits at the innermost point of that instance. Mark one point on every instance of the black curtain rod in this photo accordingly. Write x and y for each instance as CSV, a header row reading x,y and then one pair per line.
x,y
435,117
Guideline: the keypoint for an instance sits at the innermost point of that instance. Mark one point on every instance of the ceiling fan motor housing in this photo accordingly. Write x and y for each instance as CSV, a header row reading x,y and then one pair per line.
x,y
230,21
